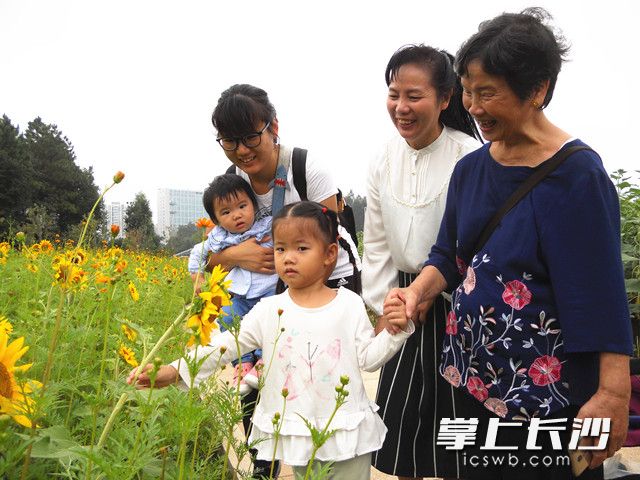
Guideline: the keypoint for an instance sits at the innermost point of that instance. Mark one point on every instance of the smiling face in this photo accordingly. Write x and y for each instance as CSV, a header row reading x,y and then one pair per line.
x,y
414,106
302,257
260,160
500,114
234,213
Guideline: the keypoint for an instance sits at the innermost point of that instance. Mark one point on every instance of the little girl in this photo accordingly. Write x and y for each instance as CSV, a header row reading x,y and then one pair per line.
x,y
326,334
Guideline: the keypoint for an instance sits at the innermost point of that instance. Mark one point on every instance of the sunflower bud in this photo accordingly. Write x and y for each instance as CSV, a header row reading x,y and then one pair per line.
x,y
117,178
280,311
20,236
115,230
285,392
344,379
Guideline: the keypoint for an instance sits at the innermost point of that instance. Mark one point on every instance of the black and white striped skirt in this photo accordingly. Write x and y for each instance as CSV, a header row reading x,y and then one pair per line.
x,y
413,397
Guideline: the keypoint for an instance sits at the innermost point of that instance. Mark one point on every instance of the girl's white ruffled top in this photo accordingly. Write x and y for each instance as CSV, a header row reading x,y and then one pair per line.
x,y
314,348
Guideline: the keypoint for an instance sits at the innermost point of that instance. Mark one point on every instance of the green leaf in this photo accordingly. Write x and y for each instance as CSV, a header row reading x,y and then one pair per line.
x,y
632,285
55,442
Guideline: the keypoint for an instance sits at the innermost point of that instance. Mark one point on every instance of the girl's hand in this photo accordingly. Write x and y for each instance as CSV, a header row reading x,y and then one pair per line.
x,y
167,375
250,255
394,310
395,315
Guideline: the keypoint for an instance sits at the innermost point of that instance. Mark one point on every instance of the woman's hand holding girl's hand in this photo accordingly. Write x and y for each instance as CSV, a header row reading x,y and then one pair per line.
x,y
167,375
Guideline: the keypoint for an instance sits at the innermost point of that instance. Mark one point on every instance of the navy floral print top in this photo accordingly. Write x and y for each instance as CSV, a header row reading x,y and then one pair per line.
x,y
533,308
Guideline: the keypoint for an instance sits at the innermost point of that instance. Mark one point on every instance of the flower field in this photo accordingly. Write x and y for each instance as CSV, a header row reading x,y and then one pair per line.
x,y
73,324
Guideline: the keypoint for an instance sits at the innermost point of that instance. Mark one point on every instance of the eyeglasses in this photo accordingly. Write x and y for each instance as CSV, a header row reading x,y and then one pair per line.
x,y
250,141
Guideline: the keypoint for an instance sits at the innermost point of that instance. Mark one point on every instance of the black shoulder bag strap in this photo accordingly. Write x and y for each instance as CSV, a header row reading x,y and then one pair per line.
x,y
536,177
299,172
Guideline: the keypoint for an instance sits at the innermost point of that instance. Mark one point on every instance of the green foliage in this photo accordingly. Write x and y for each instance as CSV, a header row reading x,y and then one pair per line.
x,y
629,195
139,231
79,398
359,204
16,173
66,189
185,237
38,171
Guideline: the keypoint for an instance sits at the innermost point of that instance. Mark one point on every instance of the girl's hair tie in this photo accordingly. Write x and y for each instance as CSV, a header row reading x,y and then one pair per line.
x,y
324,209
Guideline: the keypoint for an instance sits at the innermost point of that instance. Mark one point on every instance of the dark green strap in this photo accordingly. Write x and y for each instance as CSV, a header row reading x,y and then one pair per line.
x,y
299,166
536,177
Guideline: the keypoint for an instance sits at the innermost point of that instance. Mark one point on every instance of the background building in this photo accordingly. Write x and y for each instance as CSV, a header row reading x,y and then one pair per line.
x,y
115,216
176,208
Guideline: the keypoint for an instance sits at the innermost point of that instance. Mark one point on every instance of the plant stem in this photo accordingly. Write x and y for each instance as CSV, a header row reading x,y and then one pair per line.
x,y
145,360
54,341
276,435
93,209
339,403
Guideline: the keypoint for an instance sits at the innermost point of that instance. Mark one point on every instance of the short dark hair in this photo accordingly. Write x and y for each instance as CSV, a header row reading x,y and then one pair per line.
x,y
224,187
520,47
439,63
240,109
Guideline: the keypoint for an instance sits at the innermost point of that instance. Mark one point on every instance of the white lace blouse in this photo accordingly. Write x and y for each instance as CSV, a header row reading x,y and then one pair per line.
x,y
406,196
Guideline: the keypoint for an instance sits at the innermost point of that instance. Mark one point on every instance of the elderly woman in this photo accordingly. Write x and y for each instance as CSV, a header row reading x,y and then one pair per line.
x,y
539,325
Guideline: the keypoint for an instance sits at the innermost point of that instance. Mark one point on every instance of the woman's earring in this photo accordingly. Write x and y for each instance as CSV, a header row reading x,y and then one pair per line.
x,y
535,104
276,140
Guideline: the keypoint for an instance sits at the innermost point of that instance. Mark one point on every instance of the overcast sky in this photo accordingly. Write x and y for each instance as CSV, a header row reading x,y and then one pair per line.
x,y
133,84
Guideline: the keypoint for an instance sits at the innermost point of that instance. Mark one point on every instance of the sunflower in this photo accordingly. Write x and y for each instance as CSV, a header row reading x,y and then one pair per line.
x,y
4,252
141,274
202,325
32,268
14,396
5,325
46,246
130,333
133,291
128,355
203,318
218,286
67,274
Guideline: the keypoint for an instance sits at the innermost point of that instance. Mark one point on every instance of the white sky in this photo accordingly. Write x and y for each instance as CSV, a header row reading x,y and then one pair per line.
x,y
133,83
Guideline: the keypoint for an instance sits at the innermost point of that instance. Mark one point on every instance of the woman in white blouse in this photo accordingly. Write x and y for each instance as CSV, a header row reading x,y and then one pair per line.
x,y
407,186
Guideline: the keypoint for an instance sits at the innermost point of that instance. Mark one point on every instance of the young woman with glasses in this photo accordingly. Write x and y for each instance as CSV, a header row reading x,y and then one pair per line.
x,y
247,129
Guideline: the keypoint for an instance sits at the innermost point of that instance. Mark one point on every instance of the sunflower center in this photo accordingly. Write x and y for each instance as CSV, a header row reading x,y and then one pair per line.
x,y
5,382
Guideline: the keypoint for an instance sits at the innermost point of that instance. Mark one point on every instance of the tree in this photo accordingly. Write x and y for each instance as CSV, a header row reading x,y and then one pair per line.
x,y
358,204
139,225
17,180
186,236
66,189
